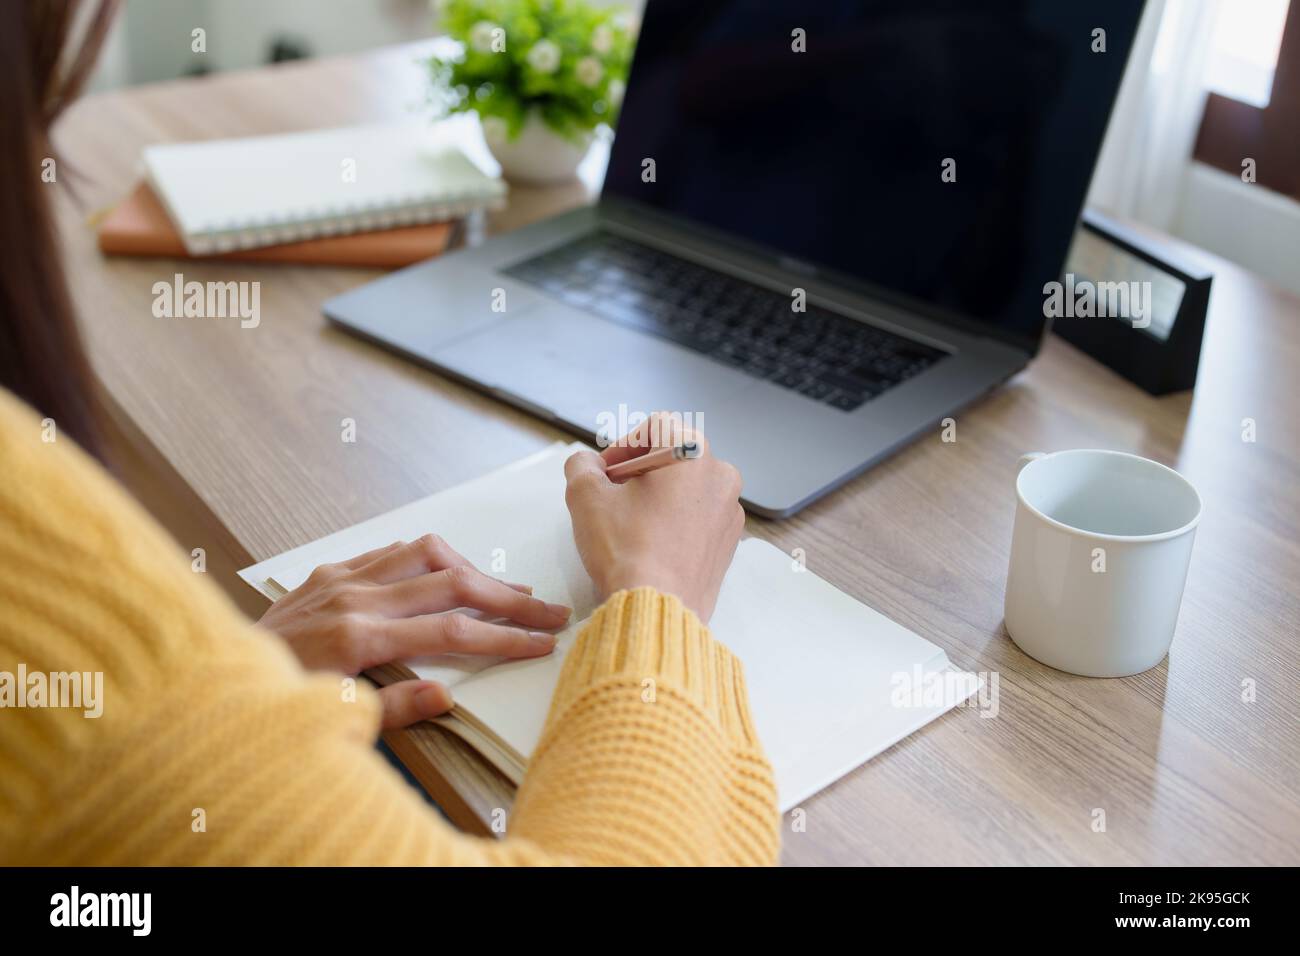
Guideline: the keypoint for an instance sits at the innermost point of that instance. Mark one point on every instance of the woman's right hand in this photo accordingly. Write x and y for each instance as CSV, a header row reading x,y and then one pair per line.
x,y
674,529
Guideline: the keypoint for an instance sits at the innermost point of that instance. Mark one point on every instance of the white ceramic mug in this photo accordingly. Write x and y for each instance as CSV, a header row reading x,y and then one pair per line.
x,y
1099,557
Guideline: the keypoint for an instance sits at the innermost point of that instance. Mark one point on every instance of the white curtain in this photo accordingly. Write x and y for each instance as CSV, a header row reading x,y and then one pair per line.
x,y
1148,145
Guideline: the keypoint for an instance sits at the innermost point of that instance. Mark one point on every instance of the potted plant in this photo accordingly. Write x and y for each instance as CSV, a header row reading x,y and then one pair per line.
x,y
542,75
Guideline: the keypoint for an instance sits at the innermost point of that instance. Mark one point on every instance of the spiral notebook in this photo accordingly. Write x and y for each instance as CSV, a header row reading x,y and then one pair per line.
x,y
831,682
229,194
139,226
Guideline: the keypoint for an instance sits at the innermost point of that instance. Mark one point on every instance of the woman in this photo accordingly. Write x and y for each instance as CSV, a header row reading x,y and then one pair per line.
x,y
215,743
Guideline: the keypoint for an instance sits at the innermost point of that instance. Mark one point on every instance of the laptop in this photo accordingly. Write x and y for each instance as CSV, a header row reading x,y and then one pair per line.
x,y
814,254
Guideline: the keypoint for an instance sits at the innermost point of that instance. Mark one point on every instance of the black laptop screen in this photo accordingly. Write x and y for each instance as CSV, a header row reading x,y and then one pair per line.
x,y
836,156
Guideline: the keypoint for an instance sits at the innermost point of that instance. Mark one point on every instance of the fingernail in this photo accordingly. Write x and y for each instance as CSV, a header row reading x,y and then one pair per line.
x,y
525,588
559,610
433,699
541,637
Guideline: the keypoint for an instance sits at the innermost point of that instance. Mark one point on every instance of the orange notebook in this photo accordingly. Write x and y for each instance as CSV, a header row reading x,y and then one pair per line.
x,y
139,226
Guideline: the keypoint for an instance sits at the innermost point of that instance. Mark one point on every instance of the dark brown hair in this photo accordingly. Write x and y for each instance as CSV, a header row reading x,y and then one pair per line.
x,y
41,359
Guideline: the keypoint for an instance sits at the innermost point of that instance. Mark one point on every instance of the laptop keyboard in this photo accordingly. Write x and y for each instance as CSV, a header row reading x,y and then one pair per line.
x,y
817,353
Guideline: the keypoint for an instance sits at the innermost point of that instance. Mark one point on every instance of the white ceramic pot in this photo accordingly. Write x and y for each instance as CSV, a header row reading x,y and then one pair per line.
x,y
538,155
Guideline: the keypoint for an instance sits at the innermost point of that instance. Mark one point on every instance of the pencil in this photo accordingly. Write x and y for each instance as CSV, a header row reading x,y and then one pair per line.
x,y
653,460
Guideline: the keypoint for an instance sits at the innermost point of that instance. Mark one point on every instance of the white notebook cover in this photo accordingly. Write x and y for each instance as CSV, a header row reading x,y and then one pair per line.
x,y
823,670
241,193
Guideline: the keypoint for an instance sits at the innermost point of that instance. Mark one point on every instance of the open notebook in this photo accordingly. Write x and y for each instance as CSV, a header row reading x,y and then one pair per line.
x,y
230,194
823,670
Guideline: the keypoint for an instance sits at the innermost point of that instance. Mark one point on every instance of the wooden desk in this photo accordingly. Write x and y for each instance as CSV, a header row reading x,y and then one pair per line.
x,y
233,436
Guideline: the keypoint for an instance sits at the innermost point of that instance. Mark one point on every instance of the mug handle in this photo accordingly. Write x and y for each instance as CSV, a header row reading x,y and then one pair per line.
x,y
1028,457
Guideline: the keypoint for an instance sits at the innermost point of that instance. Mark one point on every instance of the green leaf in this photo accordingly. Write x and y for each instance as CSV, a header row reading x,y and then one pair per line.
x,y
505,85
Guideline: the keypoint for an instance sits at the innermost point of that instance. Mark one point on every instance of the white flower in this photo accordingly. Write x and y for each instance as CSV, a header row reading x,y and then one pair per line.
x,y
544,57
602,39
482,34
616,90
588,71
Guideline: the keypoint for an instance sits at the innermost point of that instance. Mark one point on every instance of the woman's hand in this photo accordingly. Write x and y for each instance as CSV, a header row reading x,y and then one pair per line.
x,y
675,529
385,605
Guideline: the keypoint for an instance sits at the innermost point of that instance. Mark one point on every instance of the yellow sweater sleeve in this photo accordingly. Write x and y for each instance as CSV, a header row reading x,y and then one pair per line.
x,y
214,747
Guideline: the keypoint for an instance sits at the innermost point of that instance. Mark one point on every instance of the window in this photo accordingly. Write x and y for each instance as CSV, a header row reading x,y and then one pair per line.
x,y
1243,52
1252,112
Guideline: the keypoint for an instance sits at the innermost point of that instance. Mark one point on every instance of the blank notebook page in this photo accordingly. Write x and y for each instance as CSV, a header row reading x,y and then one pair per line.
x,y
821,669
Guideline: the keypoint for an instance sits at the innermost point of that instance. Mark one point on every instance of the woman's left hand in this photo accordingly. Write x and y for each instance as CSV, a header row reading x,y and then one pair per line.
x,y
386,605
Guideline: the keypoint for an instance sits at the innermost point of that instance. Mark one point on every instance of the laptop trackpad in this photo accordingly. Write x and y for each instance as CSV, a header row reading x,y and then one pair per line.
x,y
577,367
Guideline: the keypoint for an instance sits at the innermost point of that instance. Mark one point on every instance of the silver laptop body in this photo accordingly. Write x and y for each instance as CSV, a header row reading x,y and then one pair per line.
x,y
467,317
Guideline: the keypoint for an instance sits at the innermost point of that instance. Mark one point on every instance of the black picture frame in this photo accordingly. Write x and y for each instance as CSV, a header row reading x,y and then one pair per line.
x,y
1157,365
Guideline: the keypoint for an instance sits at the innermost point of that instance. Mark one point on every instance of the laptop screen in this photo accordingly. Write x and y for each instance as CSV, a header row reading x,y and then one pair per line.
x,y
935,151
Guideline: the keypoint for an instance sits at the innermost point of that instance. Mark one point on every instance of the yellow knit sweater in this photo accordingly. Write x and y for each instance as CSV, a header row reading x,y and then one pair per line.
x,y
215,747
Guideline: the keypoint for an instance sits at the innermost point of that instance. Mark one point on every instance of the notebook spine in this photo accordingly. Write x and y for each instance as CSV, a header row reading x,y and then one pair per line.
x,y
218,238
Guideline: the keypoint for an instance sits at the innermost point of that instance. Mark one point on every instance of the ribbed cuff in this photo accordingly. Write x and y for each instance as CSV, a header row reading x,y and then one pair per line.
x,y
644,636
